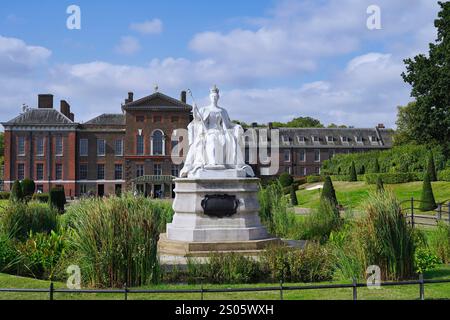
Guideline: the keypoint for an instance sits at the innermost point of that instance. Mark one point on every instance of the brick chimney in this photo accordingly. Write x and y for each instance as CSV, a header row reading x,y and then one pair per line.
x,y
72,117
65,108
45,101
381,126
183,96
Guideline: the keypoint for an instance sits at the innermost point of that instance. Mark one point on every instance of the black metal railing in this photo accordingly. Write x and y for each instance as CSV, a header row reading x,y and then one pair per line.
x,y
412,209
281,288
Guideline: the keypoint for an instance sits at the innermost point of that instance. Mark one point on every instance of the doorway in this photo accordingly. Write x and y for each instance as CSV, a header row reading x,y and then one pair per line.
x,y
101,190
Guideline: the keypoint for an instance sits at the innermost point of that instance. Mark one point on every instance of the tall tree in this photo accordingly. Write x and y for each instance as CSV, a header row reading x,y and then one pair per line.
x,y
429,77
300,122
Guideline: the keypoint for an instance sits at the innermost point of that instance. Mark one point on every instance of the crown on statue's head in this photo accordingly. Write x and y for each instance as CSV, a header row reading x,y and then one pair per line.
x,y
215,89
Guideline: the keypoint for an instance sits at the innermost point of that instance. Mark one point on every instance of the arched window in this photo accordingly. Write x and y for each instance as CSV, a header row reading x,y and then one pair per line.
x,y
158,145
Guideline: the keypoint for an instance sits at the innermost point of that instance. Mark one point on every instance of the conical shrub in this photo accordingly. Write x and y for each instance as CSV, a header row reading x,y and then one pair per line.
x,y
294,200
328,192
353,175
16,192
431,168
380,185
376,167
428,202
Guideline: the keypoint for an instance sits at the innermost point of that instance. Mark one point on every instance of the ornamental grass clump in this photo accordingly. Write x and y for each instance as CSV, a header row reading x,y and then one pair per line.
x,y
115,240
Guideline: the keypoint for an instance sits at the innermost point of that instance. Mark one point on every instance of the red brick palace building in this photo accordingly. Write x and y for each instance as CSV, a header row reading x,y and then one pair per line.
x,y
131,150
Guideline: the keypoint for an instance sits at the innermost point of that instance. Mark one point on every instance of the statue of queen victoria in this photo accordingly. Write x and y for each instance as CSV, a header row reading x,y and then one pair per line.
x,y
215,143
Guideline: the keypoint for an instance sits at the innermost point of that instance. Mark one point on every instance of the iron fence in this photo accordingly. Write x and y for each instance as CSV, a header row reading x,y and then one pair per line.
x,y
441,213
281,288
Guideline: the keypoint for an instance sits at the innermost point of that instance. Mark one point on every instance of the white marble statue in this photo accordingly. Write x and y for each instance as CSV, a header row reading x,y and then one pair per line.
x,y
215,143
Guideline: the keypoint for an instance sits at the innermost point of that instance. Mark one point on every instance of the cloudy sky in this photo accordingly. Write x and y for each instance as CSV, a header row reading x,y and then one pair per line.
x,y
272,59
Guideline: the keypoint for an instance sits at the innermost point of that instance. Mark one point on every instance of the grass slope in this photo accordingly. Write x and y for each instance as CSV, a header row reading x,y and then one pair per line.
x,y
353,194
432,291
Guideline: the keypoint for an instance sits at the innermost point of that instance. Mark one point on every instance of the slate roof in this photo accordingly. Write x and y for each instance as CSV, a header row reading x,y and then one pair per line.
x,y
158,101
40,117
365,138
108,119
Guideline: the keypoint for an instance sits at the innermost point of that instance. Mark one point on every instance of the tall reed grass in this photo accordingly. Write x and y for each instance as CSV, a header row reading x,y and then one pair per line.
x,y
115,239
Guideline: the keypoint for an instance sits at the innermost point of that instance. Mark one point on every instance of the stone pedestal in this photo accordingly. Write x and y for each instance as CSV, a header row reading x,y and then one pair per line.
x,y
193,233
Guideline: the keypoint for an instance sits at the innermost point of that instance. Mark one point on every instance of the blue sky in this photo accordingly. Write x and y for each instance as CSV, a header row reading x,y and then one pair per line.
x,y
273,60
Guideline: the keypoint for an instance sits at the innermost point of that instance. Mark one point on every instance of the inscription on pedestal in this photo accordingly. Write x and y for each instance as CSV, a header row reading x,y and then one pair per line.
x,y
220,206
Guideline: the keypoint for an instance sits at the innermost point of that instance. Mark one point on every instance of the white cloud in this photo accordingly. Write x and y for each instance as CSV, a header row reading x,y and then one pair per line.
x,y
154,26
128,46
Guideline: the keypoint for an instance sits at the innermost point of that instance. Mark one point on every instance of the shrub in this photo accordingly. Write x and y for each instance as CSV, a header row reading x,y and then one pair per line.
x,y
225,268
427,202
444,175
41,197
57,198
286,179
376,166
116,240
20,219
28,188
353,176
16,192
5,195
328,192
391,178
425,260
439,242
8,254
40,254
431,169
293,194
314,179
380,185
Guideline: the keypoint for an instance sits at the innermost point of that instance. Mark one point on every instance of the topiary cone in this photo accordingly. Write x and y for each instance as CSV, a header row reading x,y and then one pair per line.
x,y
328,192
428,202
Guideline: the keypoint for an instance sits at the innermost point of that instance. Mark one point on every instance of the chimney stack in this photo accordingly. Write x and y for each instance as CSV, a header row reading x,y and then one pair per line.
x,y
65,108
45,101
254,124
72,117
381,126
130,96
183,96
270,125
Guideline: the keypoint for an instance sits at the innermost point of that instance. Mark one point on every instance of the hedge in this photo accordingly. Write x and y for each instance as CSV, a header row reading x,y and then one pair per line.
x,y
401,159
41,197
391,178
4,195
444,175
314,179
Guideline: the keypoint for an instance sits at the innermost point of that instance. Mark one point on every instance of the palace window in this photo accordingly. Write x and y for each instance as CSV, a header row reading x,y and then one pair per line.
x,y
20,171
101,147
287,155
21,146
39,172
359,139
157,169
39,188
330,139
302,155
58,171
119,148
59,146
118,172
345,139
100,171
158,143
175,170
331,153
40,146
84,143
140,145
140,118
301,139
316,139
83,171
157,119
139,170
317,155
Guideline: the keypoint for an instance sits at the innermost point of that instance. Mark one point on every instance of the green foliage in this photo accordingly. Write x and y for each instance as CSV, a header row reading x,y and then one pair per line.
x,y
300,122
273,210
328,192
40,254
380,185
311,264
9,256
2,144
314,179
431,169
57,198
444,175
353,176
401,159
28,187
5,195
427,201
439,242
293,195
115,240
286,179
41,197
320,223
391,178
376,166
225,268
428,119
19,219
425,260
16,192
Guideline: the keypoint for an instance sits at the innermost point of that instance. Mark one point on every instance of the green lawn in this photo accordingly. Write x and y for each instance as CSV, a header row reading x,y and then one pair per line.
x,y
432,291
352,194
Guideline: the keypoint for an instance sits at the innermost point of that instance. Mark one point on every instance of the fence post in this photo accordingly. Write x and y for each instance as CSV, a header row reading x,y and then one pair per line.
x,y
355,290
52,288
202,290
281,289
125,288
422,287
412,212
439,212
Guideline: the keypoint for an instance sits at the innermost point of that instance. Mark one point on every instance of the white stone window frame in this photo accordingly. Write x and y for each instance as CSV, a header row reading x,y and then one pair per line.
x,y
101,153
40,146
82,154
359,140
21,146
118,142
317,151
163,137
59,150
